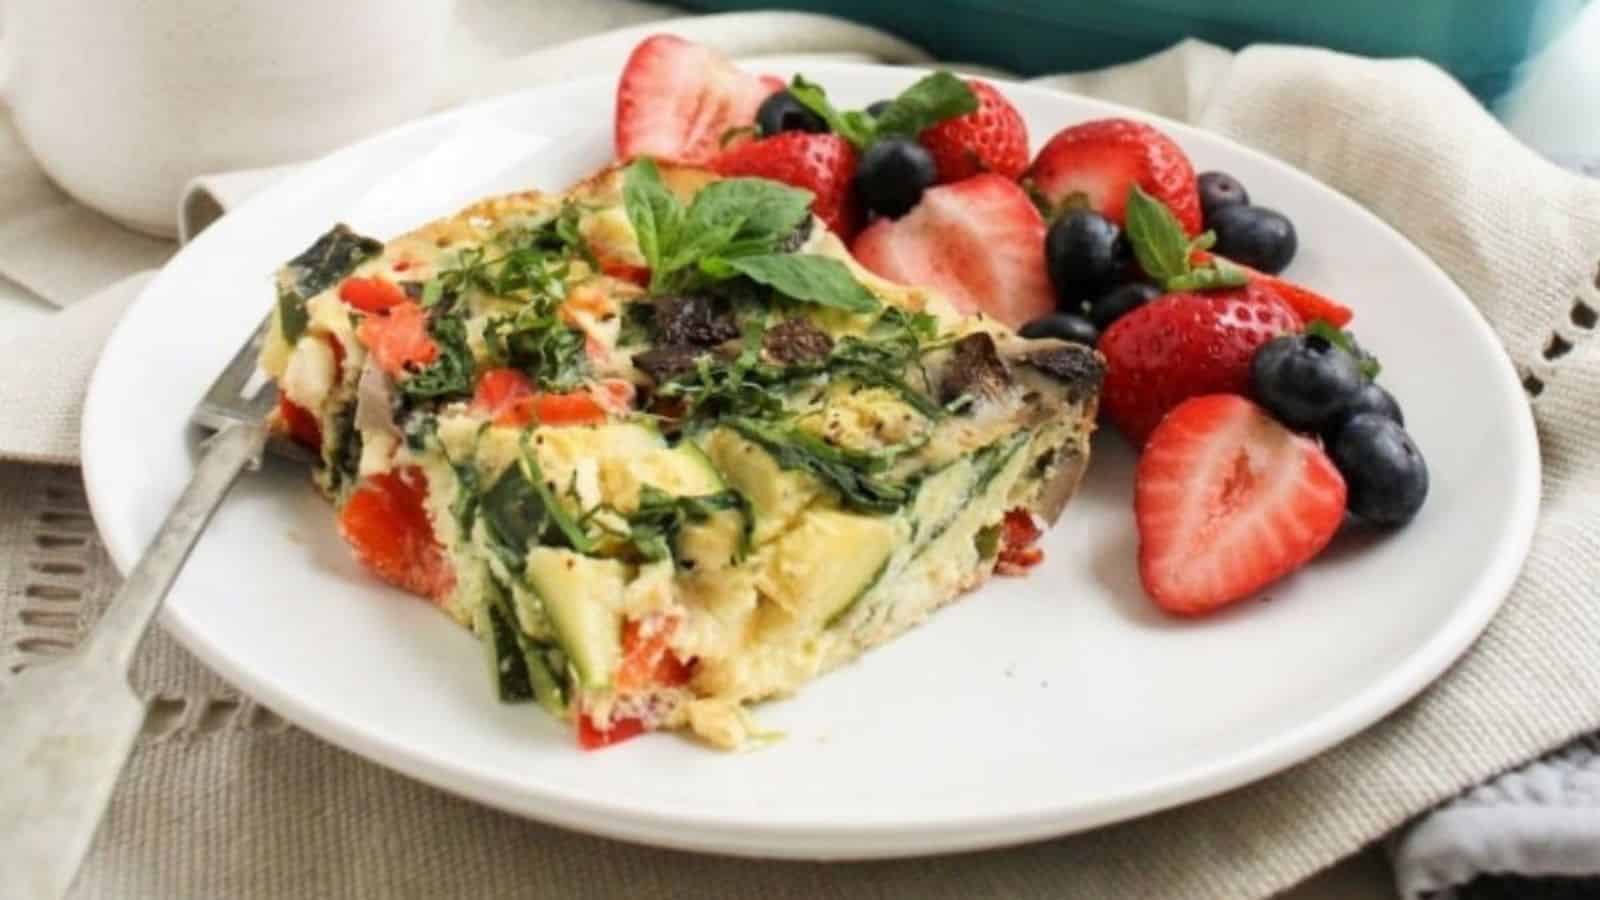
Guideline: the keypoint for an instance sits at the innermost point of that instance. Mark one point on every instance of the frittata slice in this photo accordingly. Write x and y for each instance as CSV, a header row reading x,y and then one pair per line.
x,y
662,444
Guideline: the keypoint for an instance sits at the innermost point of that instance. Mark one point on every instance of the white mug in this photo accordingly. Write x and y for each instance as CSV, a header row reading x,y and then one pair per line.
x,y
123,101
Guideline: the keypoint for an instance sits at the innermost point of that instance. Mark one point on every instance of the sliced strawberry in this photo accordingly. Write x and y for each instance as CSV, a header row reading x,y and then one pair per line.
x,y
1097,163
398,339
1184,345
371,295
824,164
978,242
386,523
300,423
1227,502
991,138
676,99
1307,304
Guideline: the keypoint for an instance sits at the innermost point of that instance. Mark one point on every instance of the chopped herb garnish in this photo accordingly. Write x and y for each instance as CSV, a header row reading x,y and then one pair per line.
x,y
451,374
653,529
854,474
540,344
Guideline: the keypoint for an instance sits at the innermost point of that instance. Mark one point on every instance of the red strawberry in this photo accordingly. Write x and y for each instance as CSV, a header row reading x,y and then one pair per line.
x,y
1102,161
991,138
824,164
1229,501
676,99
1307,304
978,242
1184,345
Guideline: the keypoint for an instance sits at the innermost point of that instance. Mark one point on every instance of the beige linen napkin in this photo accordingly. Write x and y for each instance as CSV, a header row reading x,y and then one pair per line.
x,y
223,801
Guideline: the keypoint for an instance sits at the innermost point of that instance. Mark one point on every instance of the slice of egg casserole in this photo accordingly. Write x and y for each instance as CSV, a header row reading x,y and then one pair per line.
x,y
662,444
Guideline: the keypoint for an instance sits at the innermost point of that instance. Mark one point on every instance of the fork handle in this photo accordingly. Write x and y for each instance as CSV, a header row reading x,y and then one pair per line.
x,y
68,726
227,453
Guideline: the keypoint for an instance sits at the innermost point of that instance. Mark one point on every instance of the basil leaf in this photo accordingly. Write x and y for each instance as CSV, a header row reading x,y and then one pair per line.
x,y
1158,240
653,211
856,127
931,100
813,279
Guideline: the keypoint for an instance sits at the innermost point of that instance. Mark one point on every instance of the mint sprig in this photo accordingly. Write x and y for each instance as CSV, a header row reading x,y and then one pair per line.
x,y
732,228
732,217
1166,253
932,99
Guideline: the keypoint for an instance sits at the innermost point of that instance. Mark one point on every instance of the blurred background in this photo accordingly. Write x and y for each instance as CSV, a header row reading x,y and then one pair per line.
x,y
1535,62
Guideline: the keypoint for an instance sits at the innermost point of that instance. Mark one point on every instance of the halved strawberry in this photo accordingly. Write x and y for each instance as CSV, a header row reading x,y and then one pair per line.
x,y
991,138
978,242
386,523
1229,501
1097,163
676,99
824,164
1184,345
1307,304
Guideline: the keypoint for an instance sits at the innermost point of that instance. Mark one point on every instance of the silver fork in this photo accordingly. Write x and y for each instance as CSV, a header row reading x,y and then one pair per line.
x,y
66,727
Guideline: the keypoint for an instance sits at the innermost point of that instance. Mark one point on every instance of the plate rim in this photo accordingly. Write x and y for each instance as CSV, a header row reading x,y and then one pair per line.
x,y
842,839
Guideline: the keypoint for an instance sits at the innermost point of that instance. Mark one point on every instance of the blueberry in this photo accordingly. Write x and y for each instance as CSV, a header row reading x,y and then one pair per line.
x,y
1218,190
876,108
782,112
1304,380
1383,470
1256,236
1120,301
1086,253
892,175
1064,326
1369,400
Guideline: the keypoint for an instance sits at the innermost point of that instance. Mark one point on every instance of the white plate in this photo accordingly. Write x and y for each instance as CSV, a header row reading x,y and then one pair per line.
x,y
1038,706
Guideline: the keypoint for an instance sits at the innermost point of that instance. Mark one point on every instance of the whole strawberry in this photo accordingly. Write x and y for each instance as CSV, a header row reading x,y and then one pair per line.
x,y
1097,164
823,164
992,138
1183,345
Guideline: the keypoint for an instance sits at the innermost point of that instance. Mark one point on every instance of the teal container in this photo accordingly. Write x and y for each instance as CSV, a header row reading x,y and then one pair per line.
x,y
1481,42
